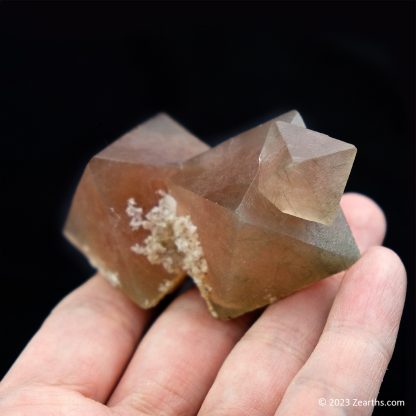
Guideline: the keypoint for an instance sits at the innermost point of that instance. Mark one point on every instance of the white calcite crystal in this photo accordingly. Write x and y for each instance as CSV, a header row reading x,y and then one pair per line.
x,y
173,240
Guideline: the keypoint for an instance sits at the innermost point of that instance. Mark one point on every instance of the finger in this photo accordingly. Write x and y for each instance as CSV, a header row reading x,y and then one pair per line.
x,y
278,344
177,360
351,357
84,344
366,219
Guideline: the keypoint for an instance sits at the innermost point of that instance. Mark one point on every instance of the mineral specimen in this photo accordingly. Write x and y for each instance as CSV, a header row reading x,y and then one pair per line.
x,y
135,166
250,220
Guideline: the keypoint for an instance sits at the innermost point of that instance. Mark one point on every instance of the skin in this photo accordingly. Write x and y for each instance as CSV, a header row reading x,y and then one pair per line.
x,y
331,340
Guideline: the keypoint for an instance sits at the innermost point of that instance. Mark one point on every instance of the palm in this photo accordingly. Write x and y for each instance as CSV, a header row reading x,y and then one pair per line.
x,y
87,358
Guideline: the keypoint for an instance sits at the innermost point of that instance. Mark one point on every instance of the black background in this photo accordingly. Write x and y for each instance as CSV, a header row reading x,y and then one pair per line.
x,y
73,77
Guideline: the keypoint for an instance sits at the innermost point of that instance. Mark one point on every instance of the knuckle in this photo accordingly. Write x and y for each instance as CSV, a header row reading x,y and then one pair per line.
x,y
156,399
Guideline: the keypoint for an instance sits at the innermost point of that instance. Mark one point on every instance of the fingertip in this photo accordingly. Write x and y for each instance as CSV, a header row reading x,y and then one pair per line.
x,y
392,263
366,219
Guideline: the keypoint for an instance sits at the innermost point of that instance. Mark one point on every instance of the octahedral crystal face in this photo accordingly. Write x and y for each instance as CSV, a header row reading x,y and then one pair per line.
x,y
266,205
135,166
252,220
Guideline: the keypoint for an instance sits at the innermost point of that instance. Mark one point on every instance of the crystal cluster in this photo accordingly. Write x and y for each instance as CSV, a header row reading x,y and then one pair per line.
x,y
250,220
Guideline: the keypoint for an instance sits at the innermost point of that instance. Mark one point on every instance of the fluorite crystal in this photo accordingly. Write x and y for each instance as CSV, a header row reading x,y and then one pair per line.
x,y
251,220
135,166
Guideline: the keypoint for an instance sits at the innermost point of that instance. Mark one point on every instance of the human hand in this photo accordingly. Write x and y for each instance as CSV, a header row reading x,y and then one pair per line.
x,y
332,340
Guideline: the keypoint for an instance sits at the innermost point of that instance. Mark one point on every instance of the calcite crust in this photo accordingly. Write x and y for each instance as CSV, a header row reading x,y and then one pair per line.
x,y
251,220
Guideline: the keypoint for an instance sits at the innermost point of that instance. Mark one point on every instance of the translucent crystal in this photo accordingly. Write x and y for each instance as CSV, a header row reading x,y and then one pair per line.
x,y
135,166
304,173
252,220
266,205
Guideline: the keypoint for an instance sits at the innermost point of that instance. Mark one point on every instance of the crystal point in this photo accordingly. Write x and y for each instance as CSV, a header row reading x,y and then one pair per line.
x,y
292,117
303,172
135,166
251,220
